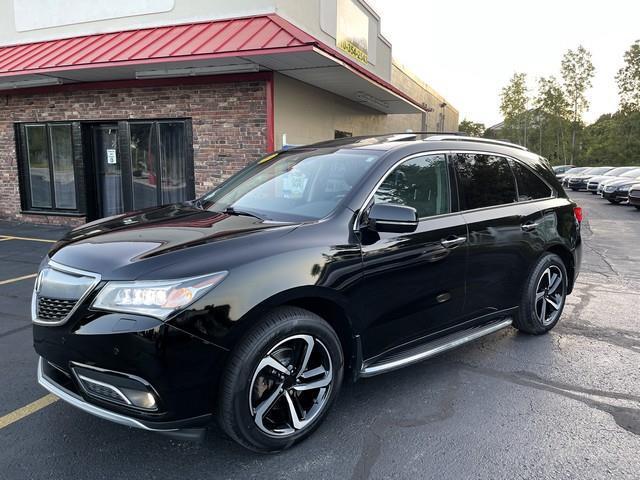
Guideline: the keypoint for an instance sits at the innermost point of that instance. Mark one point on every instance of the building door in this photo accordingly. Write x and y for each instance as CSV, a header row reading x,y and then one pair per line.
x,y
108,169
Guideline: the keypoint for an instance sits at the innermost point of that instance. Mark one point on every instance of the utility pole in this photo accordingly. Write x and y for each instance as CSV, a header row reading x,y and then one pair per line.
x,y
442,105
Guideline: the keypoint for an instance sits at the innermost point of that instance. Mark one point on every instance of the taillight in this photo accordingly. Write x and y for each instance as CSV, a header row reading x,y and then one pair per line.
x,y
577,212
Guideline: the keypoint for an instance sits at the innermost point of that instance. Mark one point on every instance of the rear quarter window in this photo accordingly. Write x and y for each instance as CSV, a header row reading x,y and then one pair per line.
x,y
530,186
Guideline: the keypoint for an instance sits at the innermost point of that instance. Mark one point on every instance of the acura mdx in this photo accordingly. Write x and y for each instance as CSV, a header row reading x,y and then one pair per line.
x,y
344,259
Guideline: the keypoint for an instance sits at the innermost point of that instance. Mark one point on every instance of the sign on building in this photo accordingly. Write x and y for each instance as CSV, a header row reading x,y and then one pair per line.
x,y
353,30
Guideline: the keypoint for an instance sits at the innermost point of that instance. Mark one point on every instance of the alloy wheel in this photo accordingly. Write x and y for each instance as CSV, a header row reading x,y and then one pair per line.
x,y
550,295
291,385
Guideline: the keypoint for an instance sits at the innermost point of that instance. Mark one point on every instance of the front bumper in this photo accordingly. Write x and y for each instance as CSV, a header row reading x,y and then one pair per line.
x,y
616,196
581,185
180,369
186,429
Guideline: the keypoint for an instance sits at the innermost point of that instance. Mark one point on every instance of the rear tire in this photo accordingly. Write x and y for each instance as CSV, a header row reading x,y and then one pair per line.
x,y
543,297
281,380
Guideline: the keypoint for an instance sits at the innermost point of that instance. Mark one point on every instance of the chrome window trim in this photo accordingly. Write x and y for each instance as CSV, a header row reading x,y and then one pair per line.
x,y
554,193
64,269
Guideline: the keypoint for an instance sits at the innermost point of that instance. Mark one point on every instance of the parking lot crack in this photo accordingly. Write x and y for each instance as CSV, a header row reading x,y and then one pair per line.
x,y
627,417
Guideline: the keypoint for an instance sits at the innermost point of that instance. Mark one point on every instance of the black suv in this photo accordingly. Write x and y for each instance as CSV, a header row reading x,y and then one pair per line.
x,y
352,258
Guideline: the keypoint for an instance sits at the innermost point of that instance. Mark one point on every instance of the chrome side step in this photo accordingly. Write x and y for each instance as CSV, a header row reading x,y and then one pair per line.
x,y
431,349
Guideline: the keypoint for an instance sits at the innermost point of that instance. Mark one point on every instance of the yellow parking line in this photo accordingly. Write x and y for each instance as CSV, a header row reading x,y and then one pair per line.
x,y
17,279
22,412
30,239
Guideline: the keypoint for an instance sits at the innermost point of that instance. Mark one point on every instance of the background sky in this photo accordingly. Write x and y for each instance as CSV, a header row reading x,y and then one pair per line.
x,y
468,49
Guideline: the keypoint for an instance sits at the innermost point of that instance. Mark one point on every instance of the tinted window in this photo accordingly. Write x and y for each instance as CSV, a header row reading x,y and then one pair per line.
x,y
530,186
485,180
421,183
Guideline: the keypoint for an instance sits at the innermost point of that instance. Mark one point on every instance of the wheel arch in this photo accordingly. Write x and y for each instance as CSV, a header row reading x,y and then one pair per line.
x,y
567,258
326,303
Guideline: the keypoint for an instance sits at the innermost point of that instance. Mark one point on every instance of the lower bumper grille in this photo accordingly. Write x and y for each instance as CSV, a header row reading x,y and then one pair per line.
x,y
54,309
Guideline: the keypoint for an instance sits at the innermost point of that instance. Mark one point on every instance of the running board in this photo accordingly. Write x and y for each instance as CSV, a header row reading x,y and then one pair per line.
x,y
431,349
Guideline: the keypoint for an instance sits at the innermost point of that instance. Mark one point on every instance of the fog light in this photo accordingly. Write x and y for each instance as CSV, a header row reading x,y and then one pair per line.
x,y
140,399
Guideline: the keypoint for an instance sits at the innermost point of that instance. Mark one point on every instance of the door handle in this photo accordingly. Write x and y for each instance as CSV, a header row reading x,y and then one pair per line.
x,y
529,226
453,242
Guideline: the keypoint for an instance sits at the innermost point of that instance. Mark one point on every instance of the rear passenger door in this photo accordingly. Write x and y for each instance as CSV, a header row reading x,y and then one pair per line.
x,y
502,216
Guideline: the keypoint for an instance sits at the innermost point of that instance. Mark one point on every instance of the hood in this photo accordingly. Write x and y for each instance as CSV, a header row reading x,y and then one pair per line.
x,y
622,181
600,178
611,180
135,243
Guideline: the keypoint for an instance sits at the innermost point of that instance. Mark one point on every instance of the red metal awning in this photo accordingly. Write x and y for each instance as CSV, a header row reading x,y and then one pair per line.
x,y
162,43
266,42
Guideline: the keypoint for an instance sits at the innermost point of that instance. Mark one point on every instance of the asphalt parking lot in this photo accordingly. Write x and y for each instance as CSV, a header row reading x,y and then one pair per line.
x,y
563,405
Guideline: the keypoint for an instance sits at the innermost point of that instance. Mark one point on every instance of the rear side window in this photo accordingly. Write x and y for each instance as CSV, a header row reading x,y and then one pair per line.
x,y
485,180
530,186
421,183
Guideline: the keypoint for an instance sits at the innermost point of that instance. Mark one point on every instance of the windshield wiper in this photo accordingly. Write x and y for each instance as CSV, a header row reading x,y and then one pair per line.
x,y
232,211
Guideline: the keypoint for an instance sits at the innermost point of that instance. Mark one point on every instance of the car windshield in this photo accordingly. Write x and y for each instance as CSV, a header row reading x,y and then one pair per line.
x,y
617,171
577,170
632,173
598,170
293,186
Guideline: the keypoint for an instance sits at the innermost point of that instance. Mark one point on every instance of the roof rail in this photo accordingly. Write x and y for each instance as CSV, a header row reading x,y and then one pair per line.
x,y
466,138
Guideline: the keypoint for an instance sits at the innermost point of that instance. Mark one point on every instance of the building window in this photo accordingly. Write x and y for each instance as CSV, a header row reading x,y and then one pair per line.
x,y
46,159
159,163
102,168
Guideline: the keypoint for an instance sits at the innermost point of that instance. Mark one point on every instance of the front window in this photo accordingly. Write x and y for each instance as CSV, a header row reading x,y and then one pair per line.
x,y
420,182
293,186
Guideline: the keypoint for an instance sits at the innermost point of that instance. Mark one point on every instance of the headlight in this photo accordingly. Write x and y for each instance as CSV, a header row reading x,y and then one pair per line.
x,y
156,298
624,188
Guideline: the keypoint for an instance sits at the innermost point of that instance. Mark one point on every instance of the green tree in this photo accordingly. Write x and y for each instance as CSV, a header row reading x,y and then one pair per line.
x,y
514,101
473,129
577,72
628,79
614,139
552,112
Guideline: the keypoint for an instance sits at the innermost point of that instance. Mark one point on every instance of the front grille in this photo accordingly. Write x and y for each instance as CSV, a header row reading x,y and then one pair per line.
x,y
54,309
57,291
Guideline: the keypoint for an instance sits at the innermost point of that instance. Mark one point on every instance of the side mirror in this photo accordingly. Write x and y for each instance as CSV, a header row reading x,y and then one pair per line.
x,y
388,217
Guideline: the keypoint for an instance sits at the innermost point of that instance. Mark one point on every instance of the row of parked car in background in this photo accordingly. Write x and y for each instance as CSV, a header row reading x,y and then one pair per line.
x,y
618,185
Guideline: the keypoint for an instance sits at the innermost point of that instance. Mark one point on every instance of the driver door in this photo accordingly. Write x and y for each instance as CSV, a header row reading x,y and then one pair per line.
x,y
414,283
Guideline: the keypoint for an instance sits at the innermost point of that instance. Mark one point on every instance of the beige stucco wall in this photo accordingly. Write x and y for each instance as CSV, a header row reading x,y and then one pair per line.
x,y
308,114
417,89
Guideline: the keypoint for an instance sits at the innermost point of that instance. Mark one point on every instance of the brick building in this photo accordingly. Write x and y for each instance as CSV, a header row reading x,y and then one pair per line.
x,y
105,112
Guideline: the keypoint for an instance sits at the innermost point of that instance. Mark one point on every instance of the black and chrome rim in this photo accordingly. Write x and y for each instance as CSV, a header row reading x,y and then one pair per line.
x,y
291,385
550,294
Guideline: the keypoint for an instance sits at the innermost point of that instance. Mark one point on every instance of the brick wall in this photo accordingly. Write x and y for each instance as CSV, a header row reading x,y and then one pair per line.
x,y
229,127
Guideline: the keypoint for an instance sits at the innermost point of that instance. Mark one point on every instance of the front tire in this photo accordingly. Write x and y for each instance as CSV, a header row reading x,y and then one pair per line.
x,y
281,380
544,296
